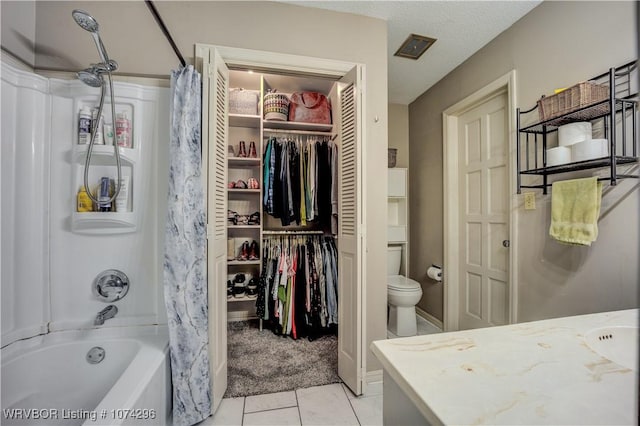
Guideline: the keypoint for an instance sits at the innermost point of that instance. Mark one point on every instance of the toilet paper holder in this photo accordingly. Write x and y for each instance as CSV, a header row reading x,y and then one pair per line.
x,y
435,272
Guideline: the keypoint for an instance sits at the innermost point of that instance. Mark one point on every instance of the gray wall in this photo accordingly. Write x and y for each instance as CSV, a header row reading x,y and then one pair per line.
x,y
18,22
132,37
556,45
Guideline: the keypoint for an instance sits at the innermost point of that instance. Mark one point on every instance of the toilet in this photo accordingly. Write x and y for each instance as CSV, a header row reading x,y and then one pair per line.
x,y
402,295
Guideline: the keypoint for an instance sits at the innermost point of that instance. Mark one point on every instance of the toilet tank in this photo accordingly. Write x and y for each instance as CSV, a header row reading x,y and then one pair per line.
x,y
394,259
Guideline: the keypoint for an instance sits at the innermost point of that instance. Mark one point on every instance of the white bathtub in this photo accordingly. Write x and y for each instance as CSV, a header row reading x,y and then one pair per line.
x,y
46,380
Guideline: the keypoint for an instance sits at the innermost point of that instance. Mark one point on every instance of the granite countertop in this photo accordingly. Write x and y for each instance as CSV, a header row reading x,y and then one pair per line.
x,y
538,372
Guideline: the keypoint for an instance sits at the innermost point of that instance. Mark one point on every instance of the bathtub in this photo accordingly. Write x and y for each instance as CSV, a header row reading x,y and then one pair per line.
x,y
47,380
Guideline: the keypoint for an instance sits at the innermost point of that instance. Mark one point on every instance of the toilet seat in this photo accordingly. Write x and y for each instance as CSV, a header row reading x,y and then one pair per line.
x,y
401,283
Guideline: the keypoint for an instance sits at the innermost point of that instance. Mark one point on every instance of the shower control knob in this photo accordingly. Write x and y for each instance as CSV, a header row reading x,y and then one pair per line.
x,y
111,285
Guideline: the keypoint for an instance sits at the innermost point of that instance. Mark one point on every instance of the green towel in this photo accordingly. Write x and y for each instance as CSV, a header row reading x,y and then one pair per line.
x,y
575,208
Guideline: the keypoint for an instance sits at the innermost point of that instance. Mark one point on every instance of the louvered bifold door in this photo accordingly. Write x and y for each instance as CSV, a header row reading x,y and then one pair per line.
x,y
349,238
217,223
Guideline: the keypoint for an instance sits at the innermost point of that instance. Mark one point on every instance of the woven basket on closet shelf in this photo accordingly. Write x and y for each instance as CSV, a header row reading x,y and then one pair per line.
x,y
276,106
571,99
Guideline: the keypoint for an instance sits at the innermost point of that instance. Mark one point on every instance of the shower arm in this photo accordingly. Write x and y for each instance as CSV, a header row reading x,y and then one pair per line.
x,y
92,142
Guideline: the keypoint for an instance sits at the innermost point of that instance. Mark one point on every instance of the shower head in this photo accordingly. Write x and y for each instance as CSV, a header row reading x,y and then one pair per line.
x,y
86,21
89,23
90,77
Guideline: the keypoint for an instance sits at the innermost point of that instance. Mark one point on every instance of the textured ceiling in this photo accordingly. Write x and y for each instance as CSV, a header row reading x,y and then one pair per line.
x,y
461,27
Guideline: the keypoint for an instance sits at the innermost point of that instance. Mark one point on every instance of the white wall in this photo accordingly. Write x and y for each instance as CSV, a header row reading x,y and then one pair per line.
x,y
24,176
555,45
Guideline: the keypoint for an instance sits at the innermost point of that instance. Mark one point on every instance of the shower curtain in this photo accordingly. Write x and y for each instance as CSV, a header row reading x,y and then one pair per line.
x,y
185,280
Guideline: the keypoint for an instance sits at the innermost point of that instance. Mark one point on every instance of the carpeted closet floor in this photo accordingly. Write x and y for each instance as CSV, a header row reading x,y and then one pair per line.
x,y
261,362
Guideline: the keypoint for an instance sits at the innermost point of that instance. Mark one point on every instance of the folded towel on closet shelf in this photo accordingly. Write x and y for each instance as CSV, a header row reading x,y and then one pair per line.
x,y
575,208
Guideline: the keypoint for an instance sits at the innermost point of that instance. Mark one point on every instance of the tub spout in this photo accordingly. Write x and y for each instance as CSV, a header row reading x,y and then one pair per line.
x,y
105,314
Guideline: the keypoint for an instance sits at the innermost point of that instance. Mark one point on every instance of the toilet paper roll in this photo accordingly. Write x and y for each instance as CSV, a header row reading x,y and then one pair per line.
x,y
558,155
434,273
574,132
587,150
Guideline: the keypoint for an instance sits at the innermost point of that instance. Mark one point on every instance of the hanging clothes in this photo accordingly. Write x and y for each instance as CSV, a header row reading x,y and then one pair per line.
x,y
301,179
298,292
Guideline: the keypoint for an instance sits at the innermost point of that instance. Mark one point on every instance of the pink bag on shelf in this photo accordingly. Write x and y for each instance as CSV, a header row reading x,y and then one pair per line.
x,y
310,107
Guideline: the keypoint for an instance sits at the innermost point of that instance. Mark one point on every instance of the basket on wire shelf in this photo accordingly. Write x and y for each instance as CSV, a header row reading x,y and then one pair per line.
x,y
571,99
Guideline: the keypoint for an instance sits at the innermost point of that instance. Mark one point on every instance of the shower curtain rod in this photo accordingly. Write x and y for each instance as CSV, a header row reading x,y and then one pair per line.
x,y
164,29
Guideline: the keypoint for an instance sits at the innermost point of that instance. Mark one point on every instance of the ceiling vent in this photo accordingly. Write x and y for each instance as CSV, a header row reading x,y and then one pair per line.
x,y
414,46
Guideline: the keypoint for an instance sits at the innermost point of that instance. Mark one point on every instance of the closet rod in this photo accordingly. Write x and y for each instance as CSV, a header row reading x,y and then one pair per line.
x,y
300,132
292,232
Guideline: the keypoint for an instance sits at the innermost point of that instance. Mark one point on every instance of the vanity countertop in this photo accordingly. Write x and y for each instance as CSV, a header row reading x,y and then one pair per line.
x,y
539,372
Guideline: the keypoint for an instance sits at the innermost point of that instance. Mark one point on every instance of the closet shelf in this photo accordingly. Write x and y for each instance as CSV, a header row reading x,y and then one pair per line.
x,y
244,162
272,126
243,191
241,299
243,262
243,120
243,226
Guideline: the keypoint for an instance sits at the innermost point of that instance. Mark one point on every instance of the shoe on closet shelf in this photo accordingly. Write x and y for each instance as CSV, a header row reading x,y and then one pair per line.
x,y
239,279
254,219
231,185
252,150
242,150
244,251
232,217
252,288
239,290
253,251
252,183
240,184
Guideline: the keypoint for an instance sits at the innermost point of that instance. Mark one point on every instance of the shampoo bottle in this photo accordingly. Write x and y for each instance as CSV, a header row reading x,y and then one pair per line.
x,y
123,130
84,126
84,203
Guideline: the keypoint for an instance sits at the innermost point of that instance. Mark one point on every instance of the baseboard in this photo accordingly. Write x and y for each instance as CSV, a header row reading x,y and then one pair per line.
x,y
374,376
433,320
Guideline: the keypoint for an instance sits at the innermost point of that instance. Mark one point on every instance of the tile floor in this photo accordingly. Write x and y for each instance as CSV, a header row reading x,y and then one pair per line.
x,y
327,405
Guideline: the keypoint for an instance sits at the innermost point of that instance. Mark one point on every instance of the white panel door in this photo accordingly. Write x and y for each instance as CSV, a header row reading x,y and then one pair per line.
x,y
483,179
350,244
216,132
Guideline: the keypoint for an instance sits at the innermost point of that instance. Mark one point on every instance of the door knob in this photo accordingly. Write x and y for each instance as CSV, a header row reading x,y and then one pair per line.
x,y
506,243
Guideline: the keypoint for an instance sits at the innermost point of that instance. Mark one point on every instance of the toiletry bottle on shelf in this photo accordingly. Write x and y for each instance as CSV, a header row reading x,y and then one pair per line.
x,y
122,200
105,193
84,203
107,130
96,123
123,130
84,126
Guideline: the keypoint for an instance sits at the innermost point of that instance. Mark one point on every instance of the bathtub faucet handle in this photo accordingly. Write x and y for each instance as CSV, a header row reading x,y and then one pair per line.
x,y
105,314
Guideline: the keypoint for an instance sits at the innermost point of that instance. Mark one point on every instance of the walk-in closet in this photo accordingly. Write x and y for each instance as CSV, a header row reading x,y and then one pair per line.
x,y
283,213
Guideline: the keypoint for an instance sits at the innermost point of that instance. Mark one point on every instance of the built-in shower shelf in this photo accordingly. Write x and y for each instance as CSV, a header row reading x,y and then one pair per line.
x,y
104,154
103,222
